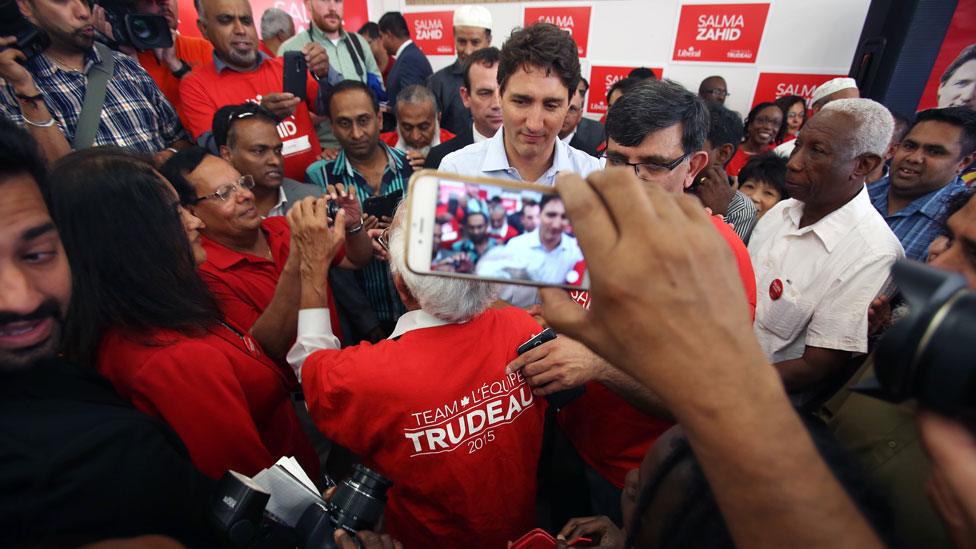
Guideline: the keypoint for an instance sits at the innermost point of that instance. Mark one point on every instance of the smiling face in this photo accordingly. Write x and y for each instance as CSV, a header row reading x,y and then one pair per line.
x,y
929,157
35,280
553,223
762,194
229,26
534,106
763,128
960,88
225,219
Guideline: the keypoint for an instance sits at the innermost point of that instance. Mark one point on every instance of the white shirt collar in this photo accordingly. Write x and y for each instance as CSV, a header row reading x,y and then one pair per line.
x,y
402,47
496,159
415,320
281,206
835,225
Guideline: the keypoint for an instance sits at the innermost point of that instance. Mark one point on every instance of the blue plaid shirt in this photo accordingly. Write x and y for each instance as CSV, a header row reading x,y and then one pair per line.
x,y
375,276
919,223
135,114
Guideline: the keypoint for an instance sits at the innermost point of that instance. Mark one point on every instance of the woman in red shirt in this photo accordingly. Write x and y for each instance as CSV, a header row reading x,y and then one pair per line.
x,y
764,126
143,317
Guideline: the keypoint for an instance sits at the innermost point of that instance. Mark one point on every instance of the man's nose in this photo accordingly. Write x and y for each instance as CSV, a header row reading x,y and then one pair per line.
x,y
17,294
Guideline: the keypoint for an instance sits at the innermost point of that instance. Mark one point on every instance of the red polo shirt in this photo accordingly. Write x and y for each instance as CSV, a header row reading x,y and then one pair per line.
x,y
204,90
244,284
611,435
228,402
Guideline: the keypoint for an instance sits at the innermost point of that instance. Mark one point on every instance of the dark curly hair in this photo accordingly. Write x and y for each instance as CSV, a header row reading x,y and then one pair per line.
x,y
544,46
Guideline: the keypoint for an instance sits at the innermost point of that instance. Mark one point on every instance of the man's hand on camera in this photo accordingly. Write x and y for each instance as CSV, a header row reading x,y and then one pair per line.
x,y
557,365
13,72
347,199
416,159
366,540
317,242
281,105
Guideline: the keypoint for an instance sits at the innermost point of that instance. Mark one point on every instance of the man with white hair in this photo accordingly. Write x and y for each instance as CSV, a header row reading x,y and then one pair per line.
x,y
276,27
831,90
823,255
418,126
432,408
472,32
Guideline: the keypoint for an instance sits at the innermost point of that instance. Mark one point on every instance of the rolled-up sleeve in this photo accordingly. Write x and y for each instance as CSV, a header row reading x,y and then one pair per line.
x,y
314,334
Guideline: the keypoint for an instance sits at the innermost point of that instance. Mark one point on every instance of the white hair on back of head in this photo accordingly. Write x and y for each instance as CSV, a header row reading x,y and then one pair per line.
x,y
273,21
449,299
872,123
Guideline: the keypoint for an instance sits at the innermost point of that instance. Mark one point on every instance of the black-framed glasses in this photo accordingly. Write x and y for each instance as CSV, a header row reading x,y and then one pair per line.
x,y
647,170
224,192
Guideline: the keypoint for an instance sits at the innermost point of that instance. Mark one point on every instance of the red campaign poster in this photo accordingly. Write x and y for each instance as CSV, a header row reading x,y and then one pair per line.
x,y
953,78
432,31
773,85
354,14
601,78
728,33
576,20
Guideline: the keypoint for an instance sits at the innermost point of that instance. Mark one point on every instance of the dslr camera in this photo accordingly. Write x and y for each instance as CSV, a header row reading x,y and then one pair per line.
x,y
929,355
141,31
30,39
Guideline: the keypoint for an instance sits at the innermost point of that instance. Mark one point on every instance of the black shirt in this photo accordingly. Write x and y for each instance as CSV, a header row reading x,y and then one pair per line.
x,y
77,464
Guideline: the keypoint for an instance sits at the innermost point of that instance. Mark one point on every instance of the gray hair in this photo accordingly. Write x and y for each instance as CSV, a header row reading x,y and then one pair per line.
x,y
273,21
415,95
871,121
449,299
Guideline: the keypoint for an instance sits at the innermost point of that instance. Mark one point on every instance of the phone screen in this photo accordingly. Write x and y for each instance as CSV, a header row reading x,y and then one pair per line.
x,y
503,232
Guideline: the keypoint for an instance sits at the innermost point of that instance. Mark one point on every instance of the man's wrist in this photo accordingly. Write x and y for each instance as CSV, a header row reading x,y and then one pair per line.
x,y
181,69
26,89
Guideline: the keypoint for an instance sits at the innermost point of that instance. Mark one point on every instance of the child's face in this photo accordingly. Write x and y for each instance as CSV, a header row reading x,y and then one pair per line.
x,y
763,195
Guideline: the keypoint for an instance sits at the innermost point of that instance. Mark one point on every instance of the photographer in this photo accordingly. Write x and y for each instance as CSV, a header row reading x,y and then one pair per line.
x,y
45,94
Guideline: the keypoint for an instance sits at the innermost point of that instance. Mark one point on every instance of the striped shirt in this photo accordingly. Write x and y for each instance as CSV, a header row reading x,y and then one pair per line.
x,y
375,276
919,223
135,115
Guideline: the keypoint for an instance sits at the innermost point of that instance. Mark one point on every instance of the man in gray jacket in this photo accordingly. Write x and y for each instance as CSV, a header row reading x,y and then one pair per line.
x,y
472,32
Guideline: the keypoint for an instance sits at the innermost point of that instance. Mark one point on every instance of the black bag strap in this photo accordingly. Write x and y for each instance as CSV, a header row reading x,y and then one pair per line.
x,y
351,44
91,110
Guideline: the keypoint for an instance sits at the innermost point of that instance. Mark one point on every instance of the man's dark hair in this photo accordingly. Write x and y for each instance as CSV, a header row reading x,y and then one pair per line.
x,y
529,202
350,85
394,23
724,126
228,116
544,46
486,57
547,198
786,103
132,266
585,84
769,168
963,118
966,55
181,165
370,30
19,154
654,105
467,216
642,73
623,85
754,112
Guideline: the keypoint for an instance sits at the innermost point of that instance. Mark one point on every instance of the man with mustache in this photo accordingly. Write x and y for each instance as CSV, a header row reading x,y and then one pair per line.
x,y
45,94
80,465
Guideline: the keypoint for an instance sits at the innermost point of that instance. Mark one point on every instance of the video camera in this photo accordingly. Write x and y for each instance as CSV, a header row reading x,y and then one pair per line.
x,y
248,515
30,40
929,355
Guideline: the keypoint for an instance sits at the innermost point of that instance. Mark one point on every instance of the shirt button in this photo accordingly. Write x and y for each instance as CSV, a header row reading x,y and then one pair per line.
x,y
892,444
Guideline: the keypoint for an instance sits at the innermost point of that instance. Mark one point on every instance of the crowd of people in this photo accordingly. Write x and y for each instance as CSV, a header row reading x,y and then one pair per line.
x,y
195,279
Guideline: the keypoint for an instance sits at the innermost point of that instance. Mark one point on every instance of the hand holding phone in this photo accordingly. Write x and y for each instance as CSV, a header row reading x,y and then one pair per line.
x,y
295,77
559,399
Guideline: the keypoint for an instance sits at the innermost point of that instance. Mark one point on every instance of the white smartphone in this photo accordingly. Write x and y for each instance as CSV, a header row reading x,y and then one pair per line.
x,y
491,229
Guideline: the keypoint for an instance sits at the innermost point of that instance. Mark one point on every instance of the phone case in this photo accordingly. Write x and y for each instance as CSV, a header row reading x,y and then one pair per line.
x,y
535,539
295,74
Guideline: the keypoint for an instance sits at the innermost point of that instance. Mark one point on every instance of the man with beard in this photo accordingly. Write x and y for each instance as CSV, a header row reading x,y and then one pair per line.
x,y
79,464
373,168
45,94
418,125
472,32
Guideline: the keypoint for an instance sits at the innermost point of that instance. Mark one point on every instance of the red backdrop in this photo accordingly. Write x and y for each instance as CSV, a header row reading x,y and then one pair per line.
x,y
774,85
959,35
432,31
728,33
601,78
354,14
575,19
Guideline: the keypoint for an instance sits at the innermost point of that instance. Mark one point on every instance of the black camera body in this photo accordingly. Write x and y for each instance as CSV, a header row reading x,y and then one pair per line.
x,y
356,505
141,31
30,39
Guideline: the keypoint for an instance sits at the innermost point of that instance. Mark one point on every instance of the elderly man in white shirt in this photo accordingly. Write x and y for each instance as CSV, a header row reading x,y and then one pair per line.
x,y
823,255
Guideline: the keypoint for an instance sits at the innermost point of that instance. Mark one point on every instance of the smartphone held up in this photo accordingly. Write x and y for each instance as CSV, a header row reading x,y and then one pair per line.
x,y
493,230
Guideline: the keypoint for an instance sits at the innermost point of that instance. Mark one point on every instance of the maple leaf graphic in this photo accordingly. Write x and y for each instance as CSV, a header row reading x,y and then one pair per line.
x,y
465,401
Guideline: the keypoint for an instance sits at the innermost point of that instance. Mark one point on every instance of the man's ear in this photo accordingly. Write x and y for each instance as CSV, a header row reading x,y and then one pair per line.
x,y
964,162
225,152
201,26
405,296
27,10
865,164
697,163
465,97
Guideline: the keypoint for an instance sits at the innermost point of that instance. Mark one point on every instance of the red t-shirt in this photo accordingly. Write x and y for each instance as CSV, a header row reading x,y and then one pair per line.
x,y
435,412
203,91
225,399
194,50
391,137
244,284
739,159
611,435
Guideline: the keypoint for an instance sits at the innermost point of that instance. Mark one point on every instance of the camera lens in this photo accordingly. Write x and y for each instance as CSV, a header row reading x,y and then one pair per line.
x,y
140,29
360,499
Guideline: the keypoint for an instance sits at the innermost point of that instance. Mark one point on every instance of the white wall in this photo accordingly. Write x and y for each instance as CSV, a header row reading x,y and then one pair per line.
x,y
801,36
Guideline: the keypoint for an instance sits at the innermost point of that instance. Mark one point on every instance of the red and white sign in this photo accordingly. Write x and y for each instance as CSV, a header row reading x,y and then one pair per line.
x,y
575,20
728,33
432,31
601,78
773,85
354,14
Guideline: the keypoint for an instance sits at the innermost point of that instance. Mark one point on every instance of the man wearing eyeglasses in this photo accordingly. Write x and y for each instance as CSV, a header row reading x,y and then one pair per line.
x,y
658,129
713,88
250,267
